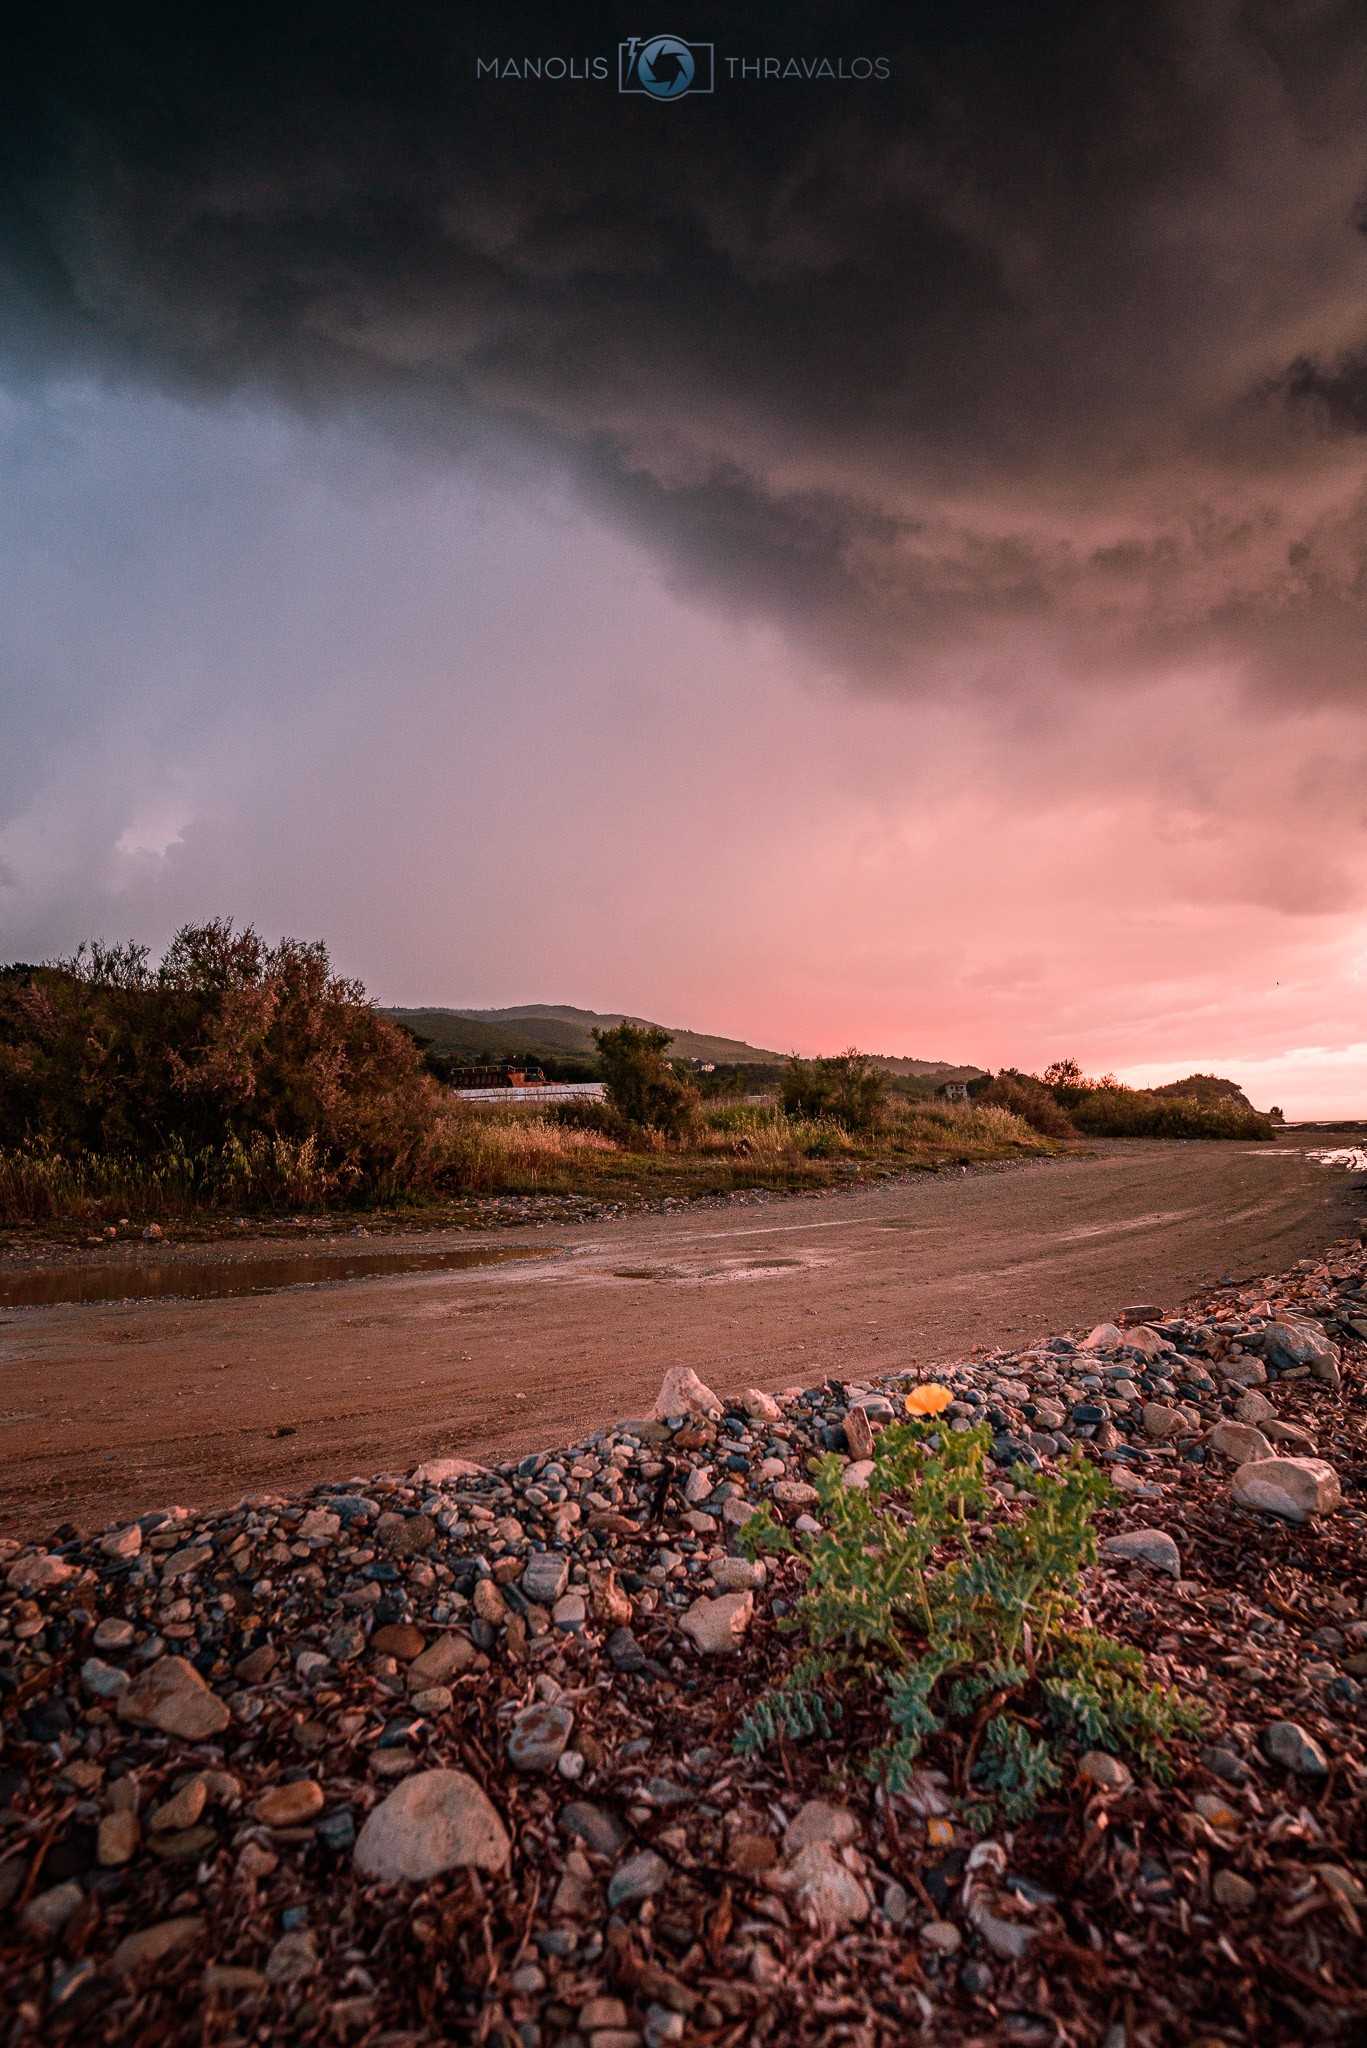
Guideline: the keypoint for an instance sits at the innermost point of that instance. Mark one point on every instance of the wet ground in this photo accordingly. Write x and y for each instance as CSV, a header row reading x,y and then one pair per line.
x,y
210,1279
111,1406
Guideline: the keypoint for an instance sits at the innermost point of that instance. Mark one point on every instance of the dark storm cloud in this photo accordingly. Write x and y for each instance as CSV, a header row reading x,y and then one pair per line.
x,y
1052,344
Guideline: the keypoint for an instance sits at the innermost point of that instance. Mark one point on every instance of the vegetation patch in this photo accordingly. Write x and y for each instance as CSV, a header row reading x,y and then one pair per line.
x,y
958,1625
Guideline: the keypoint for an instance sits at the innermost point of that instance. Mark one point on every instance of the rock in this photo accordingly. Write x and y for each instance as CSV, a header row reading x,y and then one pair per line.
x,y
398,1639
738,1574
537,1737
1153,1547
857,1474
289,1805
1233,1892
819,1821
1161,1421
1006,1938
760,1406
828,1896
431,1822
47,1912
599,2013
406,1535
1254,1408
125,1542
117,1840
1291,1344
1286,1742
294,1958
114,1633
683,1393
1294,1488
858,1434
943,1937
717,1626
795,1493
442,1471
1289,1440
593,1825
1238,1441
1104,1771
102,1681
1140,1312
570,1611
154,1944
37,1573
181,1810
172,1697
545,1576
444,1659
1105,1337
639,1878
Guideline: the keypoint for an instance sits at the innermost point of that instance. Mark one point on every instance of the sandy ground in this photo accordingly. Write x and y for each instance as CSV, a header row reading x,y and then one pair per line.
x,y
111,1410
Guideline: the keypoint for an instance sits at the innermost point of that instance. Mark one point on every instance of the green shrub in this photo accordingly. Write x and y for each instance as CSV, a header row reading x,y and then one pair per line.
x,y
641,1084
1140,1113
958,1626
1031,1101
849,1088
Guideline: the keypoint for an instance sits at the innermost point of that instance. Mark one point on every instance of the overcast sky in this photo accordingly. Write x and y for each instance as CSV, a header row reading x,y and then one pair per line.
x,y
828,562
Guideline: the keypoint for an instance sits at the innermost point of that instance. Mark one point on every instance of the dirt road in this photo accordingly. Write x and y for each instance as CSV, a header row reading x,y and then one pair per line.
x,y
110,1410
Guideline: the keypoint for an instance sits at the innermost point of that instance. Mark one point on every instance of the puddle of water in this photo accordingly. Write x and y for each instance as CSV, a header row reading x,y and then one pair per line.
x,y
1351,1157
696,1272
208,1279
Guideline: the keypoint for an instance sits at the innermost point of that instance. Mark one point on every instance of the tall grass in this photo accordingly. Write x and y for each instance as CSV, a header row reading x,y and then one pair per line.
x,y
489,1151
495,1150
40,1185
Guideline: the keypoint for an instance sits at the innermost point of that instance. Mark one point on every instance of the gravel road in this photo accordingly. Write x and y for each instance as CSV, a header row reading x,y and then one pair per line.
x,y
113,1409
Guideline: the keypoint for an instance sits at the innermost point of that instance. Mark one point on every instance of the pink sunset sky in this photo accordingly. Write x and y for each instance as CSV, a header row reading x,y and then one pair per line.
x,y
895,577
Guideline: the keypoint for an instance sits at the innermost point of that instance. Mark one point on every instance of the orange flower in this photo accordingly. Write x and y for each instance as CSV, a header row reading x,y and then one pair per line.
x,y
930,1398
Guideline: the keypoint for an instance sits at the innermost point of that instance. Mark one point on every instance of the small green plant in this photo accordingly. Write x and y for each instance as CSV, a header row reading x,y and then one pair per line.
x,y
964,1625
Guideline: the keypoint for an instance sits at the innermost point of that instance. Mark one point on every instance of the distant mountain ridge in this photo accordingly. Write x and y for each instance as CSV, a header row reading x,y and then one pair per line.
x,y
559,1031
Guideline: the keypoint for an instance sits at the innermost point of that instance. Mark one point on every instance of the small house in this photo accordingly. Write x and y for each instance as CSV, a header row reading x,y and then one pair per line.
x,y
952,1091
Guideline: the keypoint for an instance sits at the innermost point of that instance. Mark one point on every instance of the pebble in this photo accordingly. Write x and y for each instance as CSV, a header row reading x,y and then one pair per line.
x,y
639,1878
172,1697
1097,1767
545,1576
289,1805
1286,1742
538,1736
717,1626
1153,1547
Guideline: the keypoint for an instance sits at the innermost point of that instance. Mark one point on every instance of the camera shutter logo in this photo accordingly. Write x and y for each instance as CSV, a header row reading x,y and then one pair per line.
x,y
664,67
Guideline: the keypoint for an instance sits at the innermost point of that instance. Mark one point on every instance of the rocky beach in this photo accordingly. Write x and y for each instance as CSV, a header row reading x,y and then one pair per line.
x,y
448,1755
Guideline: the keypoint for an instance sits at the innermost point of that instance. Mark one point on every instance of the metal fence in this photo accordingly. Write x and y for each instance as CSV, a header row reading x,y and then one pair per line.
x,y
543,1091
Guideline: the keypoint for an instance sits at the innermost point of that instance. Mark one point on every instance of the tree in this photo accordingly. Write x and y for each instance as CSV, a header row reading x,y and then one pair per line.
x,y
642,1084
850,1087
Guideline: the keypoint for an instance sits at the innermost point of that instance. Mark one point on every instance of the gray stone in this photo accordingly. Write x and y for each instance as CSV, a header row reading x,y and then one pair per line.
x,y
1238,1441
717,1626
1286,1742
537,1737
683,1393
639,1878
1153,1547
433,1821
545,1576
1294,1488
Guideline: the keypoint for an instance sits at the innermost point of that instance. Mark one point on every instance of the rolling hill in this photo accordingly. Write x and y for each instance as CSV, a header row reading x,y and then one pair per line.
x,y
558,1031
